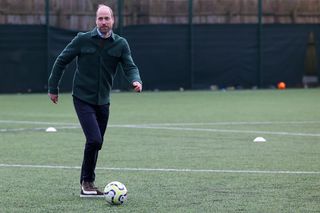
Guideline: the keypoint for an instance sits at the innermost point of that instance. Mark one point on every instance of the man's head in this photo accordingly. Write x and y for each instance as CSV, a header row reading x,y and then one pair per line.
x,y
104,19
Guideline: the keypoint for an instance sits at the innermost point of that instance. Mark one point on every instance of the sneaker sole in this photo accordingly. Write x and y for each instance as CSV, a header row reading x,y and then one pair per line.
x,y
91,196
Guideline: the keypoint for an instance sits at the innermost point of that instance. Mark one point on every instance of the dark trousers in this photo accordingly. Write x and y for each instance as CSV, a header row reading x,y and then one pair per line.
x,y
93,120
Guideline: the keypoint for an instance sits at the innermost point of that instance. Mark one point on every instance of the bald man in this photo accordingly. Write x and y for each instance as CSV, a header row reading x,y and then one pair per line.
x,y
98,53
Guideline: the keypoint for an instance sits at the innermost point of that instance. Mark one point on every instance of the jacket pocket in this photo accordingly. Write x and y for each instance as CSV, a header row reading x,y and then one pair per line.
x,y
114,52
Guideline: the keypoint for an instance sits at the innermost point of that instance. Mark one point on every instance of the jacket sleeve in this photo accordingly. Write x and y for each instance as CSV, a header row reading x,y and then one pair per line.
x,y
66,56
130,70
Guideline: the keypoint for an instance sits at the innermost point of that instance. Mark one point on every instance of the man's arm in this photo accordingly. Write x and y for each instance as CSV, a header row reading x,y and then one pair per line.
x,y
65,57
130,70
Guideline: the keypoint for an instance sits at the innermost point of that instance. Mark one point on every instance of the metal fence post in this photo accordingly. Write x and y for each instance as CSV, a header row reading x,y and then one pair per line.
x,y
47,15
190,24
120,17
260,48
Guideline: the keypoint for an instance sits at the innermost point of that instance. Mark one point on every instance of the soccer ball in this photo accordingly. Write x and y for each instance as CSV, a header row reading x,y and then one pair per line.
x,y
115,193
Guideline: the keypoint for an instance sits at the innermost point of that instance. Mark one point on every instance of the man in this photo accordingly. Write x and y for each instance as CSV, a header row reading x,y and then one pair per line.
x,y
98,53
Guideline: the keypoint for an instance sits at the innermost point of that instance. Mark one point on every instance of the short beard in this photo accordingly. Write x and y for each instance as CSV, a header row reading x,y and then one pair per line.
x,y
107,33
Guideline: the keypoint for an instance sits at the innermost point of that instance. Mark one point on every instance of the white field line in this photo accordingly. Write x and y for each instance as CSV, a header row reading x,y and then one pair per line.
x,y
164,170
36,129
221,130
35,122
235,123
168,126
175,128
174,124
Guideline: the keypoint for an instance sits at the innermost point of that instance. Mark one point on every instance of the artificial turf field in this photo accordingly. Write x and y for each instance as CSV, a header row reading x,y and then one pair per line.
x,y
187,151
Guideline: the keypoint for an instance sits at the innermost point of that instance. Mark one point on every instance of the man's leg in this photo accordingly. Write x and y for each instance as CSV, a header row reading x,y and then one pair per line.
x,y
88,120
102,117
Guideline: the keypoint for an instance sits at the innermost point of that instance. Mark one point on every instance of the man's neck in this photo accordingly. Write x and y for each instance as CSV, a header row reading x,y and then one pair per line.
x,y
104,35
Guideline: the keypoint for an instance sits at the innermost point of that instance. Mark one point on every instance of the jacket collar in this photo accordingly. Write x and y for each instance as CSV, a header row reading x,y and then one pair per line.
x,y
94,33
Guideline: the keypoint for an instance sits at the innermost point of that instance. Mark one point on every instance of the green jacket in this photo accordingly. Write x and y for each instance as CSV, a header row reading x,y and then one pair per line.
x,y
97,61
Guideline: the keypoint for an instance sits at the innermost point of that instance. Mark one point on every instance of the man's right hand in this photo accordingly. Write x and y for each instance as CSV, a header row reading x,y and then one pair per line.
x,y
53,98
137,86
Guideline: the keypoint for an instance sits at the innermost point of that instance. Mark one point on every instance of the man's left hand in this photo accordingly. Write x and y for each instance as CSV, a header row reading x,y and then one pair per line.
x,y
137,86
